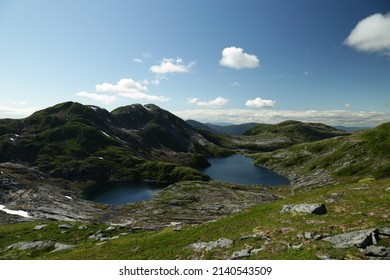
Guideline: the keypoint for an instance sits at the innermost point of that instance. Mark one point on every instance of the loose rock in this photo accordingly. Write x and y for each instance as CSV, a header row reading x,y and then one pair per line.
x,y
377,251
360,239
60,247
23,246
39,227
65,226
317,208
241,254
208,246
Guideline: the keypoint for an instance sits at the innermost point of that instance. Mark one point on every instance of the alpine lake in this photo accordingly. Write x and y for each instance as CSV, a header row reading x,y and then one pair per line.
x,y
233,169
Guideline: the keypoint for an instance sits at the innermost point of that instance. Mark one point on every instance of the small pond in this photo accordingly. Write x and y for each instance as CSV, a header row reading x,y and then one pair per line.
x,y
121,193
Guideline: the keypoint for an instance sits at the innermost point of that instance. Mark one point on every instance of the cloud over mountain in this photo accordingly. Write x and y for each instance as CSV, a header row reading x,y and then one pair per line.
x,y
371,34
236,58
127,88
260,103
217,102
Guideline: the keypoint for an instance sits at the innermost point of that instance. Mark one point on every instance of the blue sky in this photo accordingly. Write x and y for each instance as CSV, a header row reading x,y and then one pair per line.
x,y
231,61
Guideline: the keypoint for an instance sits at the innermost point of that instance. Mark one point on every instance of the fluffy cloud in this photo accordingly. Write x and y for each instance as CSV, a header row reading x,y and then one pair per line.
x,y
235,84
236,58
127,88
332,117
170,65
217,102
371,34
260,103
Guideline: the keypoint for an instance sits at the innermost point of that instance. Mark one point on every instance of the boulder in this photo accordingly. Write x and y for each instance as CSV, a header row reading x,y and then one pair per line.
x,y
60,247
39,227
360,239
241,254
23,246
65,226
384,231
317,208
208,246
376,251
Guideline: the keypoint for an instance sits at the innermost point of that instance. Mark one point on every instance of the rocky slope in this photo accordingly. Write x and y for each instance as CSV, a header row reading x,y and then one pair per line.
x,y
79,142
362,154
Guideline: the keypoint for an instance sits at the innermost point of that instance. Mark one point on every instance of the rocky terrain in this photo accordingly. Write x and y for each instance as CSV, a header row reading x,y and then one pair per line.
x,y
335,208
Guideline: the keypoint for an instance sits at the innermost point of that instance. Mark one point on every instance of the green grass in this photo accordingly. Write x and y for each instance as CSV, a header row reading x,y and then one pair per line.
x,y
352,210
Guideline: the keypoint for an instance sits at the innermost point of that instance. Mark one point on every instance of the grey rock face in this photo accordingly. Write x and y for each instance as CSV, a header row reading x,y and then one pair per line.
x,y
60,247
208,246
241,254
39,227
317,208
360,239
384,231
23,246
377,251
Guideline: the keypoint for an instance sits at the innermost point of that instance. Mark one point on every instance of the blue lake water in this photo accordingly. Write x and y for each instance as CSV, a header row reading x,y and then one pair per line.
x,y
239,169
234,169
121,193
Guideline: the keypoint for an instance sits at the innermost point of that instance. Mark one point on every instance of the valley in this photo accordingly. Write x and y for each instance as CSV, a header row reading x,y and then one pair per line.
x,y
50,157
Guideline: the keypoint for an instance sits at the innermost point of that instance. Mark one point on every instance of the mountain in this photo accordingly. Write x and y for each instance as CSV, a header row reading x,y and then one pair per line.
x,y
361,154
298,131
76,141
231,129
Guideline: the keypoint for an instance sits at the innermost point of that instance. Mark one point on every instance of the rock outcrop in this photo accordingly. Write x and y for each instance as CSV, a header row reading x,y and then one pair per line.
x,y
317,208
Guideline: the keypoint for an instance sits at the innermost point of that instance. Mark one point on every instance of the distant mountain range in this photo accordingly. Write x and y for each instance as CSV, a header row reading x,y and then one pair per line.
x,y
137,142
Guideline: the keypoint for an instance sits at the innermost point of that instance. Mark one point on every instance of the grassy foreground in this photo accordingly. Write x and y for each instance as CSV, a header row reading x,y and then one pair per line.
x,y
360,205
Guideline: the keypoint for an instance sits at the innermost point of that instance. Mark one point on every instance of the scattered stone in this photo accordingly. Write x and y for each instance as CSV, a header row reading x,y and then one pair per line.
x,y
208,246
300,235
23,246
308,235
318,237
241,254
178,228
298,246
377,251
82,227
176,223
39,227
65,226
388,189
360,188
114,237
110,228
384,231
123,234
60,247
317,208
255,235
323,257
255,251
360,239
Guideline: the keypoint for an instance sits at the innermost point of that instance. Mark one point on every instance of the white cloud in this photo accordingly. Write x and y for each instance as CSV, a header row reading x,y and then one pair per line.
x,y
127,88
347,105
234,84
371,34
217,102
137,60
331,117
103,98
170,65
236,58
123,86
260,103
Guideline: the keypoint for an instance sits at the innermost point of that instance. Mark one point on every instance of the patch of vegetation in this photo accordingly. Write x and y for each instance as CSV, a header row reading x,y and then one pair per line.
x,y
353,208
